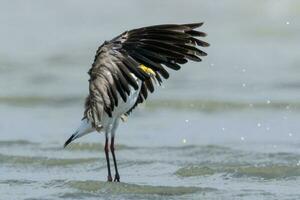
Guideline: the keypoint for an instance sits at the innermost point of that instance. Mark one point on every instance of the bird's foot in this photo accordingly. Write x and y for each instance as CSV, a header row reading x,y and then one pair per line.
x,y
117,178
109,179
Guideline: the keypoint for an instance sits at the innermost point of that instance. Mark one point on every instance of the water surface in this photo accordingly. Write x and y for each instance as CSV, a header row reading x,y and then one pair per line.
x,y
226,128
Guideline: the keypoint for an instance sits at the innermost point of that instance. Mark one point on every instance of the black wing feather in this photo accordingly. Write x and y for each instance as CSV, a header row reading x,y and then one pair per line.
x,y
156,47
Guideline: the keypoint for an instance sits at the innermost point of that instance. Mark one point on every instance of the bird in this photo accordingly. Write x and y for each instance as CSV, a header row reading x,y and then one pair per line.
x,y
129,67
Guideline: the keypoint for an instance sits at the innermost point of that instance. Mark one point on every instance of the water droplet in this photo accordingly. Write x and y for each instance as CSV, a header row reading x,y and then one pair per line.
x,y
287,23
244,70
212,64
183,141
268,128
244,84
268,101
290,134
186,120
298,163
258,124
250,105
242,138
223,129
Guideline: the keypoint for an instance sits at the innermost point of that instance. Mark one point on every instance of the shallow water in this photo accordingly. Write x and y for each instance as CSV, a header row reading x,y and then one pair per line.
x,y
46,171
226,128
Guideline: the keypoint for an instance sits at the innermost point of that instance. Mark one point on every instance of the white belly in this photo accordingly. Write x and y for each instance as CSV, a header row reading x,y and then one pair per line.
x,y
122,108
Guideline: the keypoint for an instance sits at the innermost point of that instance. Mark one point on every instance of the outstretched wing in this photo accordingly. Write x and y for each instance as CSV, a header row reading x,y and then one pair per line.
x,y
145,52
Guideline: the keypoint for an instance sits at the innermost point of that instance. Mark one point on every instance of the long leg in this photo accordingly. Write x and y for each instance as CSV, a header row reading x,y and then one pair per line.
x,y
112,148
106,149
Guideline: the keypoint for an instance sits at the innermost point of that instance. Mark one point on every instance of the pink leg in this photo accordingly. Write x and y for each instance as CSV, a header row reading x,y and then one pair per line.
x,y
109,178
112,148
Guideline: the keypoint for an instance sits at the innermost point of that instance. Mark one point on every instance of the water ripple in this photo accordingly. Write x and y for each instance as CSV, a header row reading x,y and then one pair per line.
x,y
126,188
43,161
204,105
16,142
264,172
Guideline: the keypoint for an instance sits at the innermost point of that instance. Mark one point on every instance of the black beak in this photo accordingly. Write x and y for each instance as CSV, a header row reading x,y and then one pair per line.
x,y
69,140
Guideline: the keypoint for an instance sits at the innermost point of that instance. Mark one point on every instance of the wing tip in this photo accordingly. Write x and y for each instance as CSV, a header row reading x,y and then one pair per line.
x,y
194,25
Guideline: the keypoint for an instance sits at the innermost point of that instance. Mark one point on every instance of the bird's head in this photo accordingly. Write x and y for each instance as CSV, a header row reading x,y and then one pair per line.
x,y
84,128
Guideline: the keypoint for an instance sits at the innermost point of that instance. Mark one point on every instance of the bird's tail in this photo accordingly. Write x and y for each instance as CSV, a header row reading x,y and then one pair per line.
x,y
84,128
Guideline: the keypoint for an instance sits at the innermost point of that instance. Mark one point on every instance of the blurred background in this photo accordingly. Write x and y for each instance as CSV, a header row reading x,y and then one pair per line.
x,y
226,128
